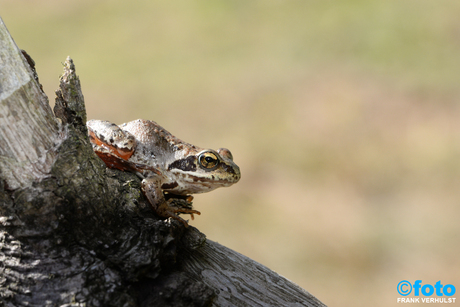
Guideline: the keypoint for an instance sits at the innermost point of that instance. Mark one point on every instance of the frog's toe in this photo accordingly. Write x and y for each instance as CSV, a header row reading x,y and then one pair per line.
x,y
178,218
187,211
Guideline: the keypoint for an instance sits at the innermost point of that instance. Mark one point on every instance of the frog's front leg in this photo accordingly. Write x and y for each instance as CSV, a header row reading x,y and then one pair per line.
x,y
163,207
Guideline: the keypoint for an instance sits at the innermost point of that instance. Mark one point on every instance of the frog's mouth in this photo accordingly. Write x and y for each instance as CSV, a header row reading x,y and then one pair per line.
x,y
191,184
228,181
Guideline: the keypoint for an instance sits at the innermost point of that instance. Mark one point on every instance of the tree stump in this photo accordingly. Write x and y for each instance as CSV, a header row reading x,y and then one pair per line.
x,y
75,233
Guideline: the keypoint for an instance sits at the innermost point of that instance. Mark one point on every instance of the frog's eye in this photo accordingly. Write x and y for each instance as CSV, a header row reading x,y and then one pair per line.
x,y
208,160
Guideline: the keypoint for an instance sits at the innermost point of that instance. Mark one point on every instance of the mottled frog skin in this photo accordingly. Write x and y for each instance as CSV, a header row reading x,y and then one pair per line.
x,y
164,162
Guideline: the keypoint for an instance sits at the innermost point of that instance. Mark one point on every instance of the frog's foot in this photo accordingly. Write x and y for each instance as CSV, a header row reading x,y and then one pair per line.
x,y
172,214
173,207
181,204
178,218
167,205
187,211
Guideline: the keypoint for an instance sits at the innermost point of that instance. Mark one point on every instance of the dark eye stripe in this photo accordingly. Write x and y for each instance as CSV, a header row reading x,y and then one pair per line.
x,y
187,164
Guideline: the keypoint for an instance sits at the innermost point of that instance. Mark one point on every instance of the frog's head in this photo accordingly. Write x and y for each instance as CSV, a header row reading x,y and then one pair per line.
x,y
201,172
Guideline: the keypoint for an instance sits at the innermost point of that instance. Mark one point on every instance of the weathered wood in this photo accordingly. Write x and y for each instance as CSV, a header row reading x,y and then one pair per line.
x,y
28,129
74,233
240,281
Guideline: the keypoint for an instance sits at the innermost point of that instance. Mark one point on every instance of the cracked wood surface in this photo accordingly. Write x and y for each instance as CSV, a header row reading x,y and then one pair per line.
x,y
241,281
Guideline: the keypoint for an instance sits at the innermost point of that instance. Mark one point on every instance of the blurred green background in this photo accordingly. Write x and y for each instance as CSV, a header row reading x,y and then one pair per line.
x,y
344,117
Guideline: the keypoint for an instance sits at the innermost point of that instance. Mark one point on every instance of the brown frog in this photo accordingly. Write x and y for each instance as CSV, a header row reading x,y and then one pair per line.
x,y
170,169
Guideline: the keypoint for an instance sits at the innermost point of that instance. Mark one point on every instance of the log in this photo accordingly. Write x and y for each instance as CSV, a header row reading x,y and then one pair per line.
x,y
241,281
74,233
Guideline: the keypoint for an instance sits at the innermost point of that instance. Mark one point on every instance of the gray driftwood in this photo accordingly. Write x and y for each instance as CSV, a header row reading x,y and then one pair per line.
x,y
74,233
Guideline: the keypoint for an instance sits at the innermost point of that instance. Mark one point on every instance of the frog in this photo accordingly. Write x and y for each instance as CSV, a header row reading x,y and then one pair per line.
x,y
170,169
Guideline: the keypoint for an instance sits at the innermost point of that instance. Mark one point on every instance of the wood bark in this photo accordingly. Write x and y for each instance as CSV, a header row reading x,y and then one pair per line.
x,y
74,233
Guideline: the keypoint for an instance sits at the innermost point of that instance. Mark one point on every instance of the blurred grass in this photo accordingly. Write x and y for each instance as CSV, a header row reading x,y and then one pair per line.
x,y
343,116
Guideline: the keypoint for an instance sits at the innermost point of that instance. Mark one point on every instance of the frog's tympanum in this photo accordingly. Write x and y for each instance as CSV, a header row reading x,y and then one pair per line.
x,y
170,169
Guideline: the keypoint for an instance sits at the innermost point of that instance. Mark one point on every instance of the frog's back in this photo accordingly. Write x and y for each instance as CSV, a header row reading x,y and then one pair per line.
x,y
153,140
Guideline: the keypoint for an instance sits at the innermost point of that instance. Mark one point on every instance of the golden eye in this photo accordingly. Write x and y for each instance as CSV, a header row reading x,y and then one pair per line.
x,y
208,160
